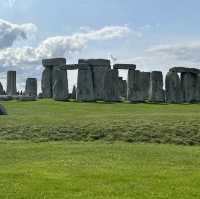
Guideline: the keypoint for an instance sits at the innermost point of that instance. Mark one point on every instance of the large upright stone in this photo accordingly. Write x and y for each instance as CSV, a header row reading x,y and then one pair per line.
x,y
138,85
122,87
2,110
111,86
99,68
85,89
1,89
198,88
156,92
173,88
11,83
73,96
31,87
60,85
188,87
47,75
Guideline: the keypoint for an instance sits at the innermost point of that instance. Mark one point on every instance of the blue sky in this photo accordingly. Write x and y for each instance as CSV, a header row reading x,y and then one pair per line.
x,y
154,34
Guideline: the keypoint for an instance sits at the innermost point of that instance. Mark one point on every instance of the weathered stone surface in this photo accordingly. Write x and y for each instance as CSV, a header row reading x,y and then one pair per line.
x,y
73,96
198,88
125,66
60,85
47,83
25,98
95,62
85,89
1,89
111,86
2,110
31,87
54,62
5,98
138,85
122,87
188,87
156,92
173,88
99,68
185,70
11,83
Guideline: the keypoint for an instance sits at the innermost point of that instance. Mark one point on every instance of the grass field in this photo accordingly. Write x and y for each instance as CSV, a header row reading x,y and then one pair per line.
x,y
47,120
108,165
97,170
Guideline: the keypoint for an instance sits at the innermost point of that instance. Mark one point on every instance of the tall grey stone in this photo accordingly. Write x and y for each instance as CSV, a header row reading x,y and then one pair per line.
x,y
60,85
31,87
85,89
188,86
2,110
11,83
99,68
138,85
111,86
156,92
73,96
47,75
122,87
198,88
1,89
173,88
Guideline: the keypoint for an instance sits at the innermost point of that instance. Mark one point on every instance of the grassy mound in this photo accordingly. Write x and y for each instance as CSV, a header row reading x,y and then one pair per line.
x,y
46,120
62,170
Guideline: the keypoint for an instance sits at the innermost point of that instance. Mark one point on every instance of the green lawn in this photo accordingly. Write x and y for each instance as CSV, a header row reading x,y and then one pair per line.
x,y
47,120
98,170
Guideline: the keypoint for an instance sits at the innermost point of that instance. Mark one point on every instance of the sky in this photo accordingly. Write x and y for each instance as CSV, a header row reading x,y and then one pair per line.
x,y
153,34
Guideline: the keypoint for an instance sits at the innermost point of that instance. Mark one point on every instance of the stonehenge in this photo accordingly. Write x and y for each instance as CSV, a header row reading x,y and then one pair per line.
x,y
97,80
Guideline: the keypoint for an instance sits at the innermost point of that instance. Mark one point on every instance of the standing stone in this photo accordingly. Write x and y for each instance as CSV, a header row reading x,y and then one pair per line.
x,y
11,83
2,110
122,88
138,85
156,92
60,85
111,88
99,69
73,96
47,91
1,89
198,88
31,87
85,89
188,86
173,88
48,75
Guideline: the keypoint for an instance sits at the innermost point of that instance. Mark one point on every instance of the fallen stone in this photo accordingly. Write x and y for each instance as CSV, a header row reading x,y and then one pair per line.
x,y
156,92
5,98
27,98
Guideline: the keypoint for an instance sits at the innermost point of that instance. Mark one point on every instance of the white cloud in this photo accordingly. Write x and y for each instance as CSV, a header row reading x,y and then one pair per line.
x,y
10,33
